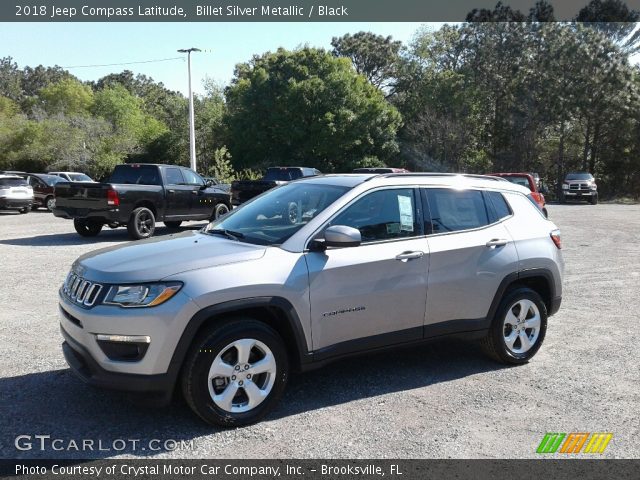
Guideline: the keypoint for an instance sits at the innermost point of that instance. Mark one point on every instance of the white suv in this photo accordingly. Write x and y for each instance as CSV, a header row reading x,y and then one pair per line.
x,y
15,193
309,272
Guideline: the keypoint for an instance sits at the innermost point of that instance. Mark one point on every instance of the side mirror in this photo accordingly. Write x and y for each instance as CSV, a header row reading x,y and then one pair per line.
x,y
342,236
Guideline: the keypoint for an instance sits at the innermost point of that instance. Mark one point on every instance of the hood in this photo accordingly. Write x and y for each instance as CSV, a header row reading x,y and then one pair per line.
x,y
157,258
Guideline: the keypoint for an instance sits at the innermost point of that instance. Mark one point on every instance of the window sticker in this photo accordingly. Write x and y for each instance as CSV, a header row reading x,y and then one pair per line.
x,y
406,213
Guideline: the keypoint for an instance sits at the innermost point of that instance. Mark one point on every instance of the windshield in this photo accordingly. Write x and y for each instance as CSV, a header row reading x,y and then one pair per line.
x,y
79,177
579,176
275,216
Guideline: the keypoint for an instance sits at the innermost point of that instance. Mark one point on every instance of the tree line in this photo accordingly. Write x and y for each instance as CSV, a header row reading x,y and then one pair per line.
x,y
503,91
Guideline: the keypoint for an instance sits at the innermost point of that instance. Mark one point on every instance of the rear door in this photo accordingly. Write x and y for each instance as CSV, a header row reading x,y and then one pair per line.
x,y
178,193
471,252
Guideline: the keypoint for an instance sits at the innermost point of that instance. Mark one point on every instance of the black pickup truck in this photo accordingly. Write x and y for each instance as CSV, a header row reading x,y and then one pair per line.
x,y
244,190
136,195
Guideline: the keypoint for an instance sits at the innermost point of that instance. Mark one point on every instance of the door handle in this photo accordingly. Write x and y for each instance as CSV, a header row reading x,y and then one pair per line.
x,y
497,242
405,256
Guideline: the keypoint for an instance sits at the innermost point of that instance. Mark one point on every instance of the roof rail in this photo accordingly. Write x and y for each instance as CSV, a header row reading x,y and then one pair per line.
x,y
436,174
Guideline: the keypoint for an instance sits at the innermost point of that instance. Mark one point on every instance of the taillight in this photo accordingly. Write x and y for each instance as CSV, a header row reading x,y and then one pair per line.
x,y
112,198
557,240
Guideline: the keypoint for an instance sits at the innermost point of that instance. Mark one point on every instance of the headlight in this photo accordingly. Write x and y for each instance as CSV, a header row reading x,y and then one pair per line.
x,y
143,295
565,186
593,186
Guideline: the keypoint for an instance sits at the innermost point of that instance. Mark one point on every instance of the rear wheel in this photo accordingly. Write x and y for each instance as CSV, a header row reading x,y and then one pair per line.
x,y
545,212
518,328
142,223
87,228
25,210
235,372
220,210
173,224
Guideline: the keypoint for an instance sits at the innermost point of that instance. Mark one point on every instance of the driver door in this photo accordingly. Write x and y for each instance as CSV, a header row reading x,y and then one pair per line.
x,y
373,294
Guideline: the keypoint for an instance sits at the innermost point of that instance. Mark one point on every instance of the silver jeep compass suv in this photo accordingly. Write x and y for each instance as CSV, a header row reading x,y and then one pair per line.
x,y
307,273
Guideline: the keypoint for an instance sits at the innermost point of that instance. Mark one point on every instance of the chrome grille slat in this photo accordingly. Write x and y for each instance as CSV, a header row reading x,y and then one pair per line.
x,y
80,291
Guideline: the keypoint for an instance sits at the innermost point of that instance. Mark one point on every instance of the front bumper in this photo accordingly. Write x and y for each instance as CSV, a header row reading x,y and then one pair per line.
x,y
89,371
579,193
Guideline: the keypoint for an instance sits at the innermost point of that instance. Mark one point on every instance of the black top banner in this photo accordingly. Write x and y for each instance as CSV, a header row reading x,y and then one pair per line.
x,y
268,10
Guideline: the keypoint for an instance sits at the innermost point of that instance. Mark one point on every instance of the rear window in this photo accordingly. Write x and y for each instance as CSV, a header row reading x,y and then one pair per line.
x,y
135,175
522,181
499,206
282,174
455,210
79,177
13,182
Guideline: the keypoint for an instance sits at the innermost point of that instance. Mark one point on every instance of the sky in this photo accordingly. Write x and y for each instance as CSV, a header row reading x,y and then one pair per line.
x,y
223,44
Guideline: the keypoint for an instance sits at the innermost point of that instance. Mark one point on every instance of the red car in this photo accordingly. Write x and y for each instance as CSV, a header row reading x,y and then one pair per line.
x,y
526,180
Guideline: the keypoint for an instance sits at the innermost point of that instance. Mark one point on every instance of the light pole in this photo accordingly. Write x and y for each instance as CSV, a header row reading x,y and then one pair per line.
x,y
192,127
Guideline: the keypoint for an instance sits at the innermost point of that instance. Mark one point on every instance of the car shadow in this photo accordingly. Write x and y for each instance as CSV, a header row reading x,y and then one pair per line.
x,y
107,235
58,404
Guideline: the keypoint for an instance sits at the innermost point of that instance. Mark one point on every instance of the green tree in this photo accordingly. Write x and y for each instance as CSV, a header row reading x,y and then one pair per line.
x,y
307,107
374,56
67,96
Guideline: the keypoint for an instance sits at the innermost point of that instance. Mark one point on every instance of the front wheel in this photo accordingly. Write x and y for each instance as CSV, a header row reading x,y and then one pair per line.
x,y
50,203
518,328
87,228
235,372
594,200
142,223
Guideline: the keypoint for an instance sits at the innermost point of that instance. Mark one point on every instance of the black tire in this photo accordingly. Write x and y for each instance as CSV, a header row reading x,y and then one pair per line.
x,y
494,344
25,210
594,200
562,199
142,223
49,203
87,228
217,340
173,225
545,212
220,210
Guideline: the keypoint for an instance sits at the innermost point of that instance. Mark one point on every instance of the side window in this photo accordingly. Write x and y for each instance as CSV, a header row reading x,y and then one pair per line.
x,y
383,215
454,210
192,178
174,176
499,206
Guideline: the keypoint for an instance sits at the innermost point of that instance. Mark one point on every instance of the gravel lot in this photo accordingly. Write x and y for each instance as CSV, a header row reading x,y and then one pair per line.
x,y
440,401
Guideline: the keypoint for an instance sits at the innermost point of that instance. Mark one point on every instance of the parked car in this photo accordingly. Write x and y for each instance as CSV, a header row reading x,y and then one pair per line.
x,y
43,189
245,190
73,176
15,193
138,195
579,186
379,170
226,313
528,181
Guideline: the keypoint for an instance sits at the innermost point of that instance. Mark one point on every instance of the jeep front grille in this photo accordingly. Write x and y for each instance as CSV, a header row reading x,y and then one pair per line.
x,y
81,291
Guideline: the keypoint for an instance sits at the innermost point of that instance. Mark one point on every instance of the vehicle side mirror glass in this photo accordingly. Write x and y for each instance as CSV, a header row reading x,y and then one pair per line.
x,y
342,236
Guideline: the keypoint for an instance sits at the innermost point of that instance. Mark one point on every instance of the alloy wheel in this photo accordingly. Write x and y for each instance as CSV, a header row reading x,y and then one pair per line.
x,y
521,327
242,375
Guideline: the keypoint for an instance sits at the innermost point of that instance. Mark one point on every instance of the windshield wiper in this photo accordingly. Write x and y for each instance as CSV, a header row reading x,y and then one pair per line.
x,y
227,233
